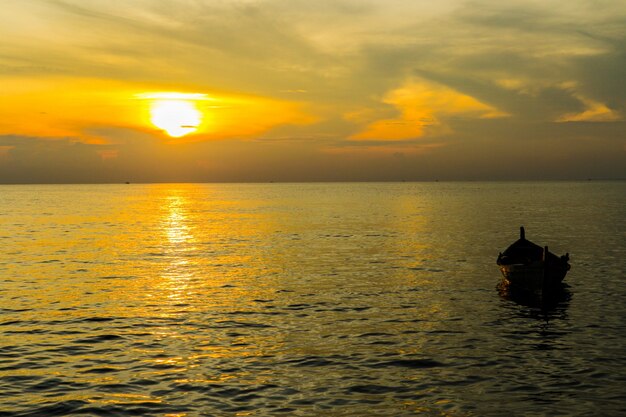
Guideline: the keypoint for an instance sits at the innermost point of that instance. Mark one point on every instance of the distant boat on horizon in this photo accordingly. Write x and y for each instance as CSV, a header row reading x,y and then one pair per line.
x,y
528,266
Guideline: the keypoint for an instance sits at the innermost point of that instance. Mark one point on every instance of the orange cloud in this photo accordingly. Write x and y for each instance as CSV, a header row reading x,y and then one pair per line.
x,y
62,108
108,154
594,112
422,106
4,151
239,116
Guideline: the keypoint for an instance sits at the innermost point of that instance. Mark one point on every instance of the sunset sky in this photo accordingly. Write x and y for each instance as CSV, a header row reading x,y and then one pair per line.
x,y
294,90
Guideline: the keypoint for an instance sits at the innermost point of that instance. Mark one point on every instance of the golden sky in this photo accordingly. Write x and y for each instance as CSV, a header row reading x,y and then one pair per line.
x,y
294,90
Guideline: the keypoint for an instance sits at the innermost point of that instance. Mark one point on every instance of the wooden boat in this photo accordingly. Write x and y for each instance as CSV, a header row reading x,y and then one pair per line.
x,y
528,266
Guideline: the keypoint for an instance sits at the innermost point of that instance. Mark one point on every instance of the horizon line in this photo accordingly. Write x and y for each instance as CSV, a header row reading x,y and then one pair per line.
x,y
320,181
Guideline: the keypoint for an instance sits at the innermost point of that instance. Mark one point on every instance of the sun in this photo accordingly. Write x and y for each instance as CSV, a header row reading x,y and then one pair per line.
x,y
176,117
176,114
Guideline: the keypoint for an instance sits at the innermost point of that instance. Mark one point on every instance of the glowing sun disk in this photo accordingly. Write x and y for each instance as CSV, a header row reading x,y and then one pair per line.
x,y
174,113
176,117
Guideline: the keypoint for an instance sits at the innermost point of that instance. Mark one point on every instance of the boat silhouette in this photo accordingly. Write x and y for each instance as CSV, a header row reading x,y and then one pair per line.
x,y
528,266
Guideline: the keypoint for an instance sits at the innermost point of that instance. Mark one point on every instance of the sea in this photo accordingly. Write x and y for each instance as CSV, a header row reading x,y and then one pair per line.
x,y
312,299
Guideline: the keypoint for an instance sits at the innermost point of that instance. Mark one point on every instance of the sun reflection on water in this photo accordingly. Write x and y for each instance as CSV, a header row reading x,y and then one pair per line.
x,y
175,224
177,246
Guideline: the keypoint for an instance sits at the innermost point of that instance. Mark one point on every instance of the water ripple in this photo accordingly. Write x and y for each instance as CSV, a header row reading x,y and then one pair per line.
x,y
319,299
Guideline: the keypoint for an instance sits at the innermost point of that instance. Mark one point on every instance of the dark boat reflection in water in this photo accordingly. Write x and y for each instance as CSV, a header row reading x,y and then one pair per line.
x,y
529,268
545,305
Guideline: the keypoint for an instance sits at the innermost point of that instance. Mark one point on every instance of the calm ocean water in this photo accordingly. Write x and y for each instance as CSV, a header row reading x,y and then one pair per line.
x,y
307,300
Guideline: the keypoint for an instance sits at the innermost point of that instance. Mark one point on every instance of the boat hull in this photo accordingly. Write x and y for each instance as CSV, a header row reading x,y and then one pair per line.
x,y
533,277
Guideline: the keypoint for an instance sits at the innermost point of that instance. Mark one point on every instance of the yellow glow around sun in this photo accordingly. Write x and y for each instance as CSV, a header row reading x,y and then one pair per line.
x,y
97,111
175,113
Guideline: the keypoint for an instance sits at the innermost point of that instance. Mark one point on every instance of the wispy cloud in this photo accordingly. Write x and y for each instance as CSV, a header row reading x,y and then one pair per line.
x,y
423,108
594,112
